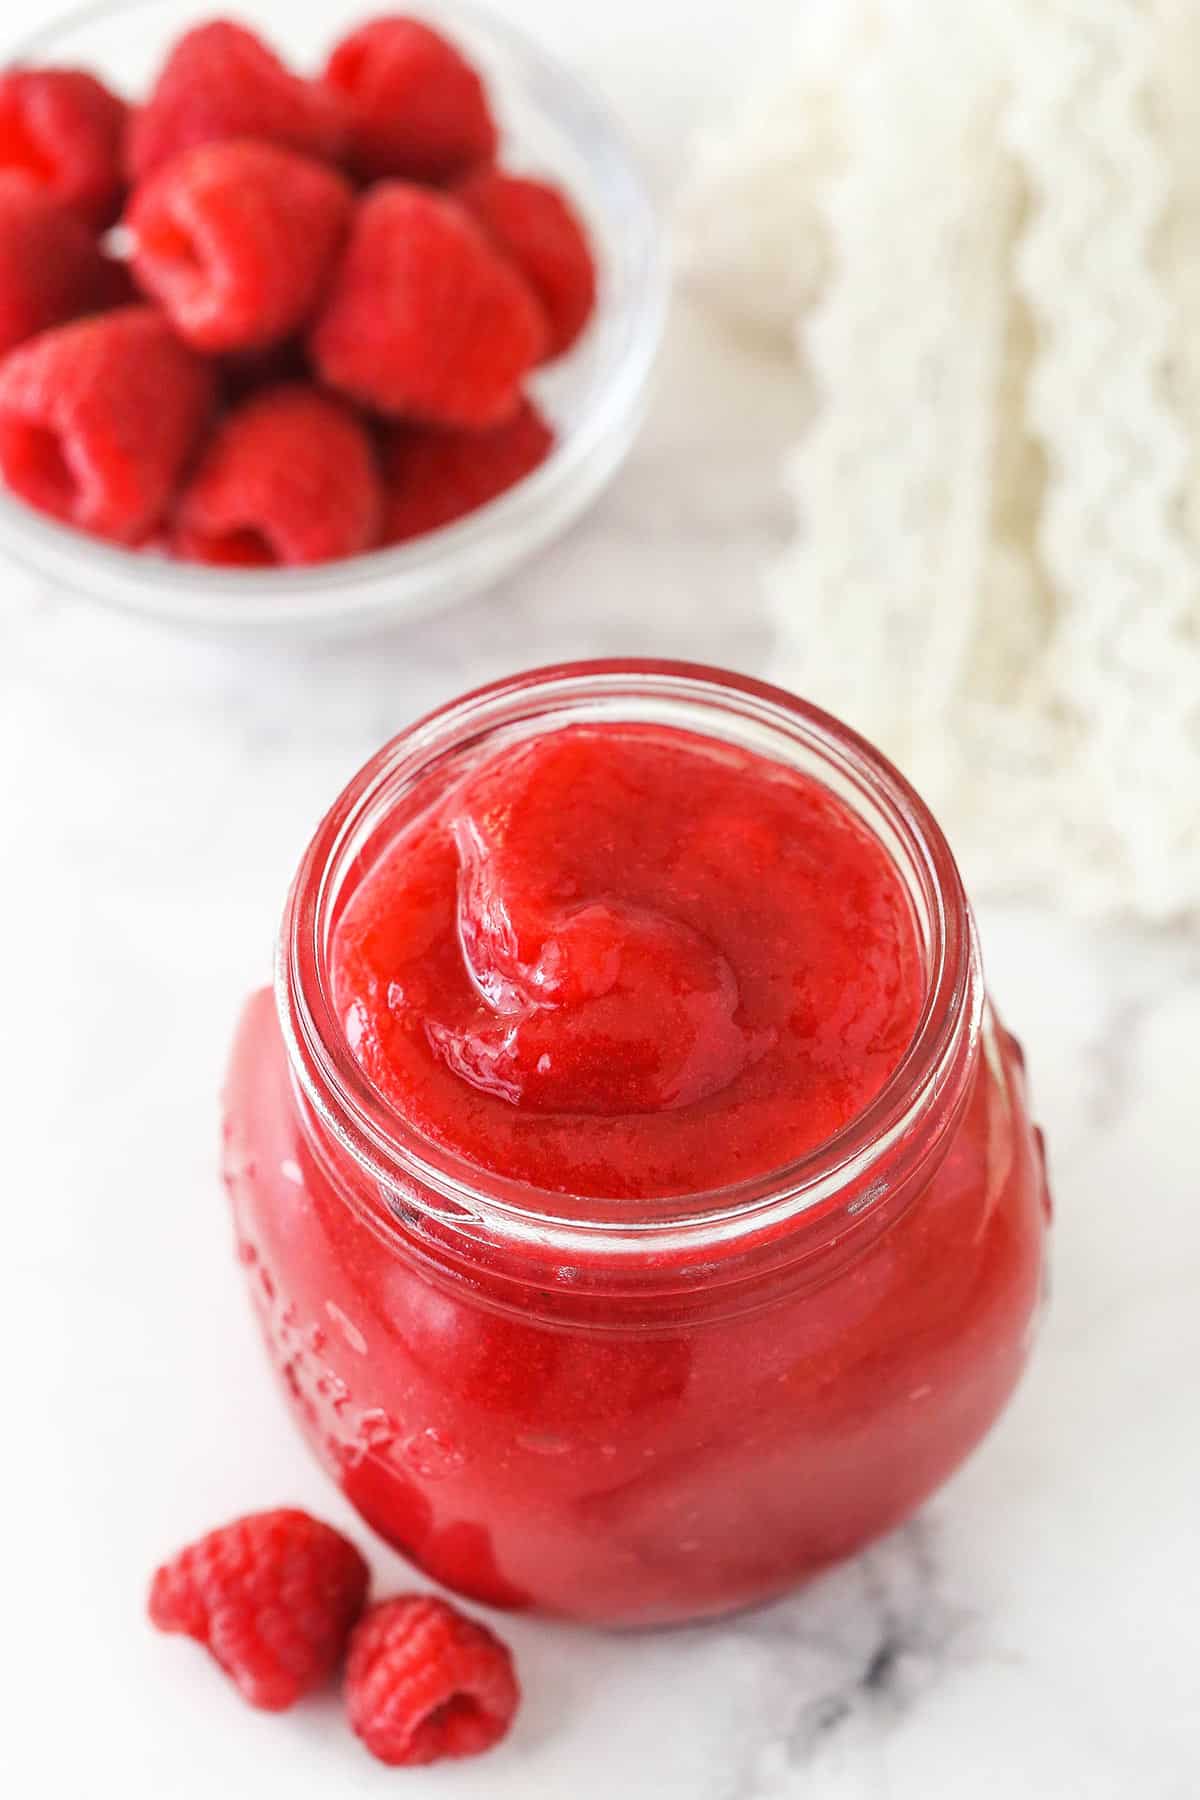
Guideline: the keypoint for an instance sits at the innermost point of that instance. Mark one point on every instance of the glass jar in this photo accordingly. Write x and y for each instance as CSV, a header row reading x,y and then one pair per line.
x,y
546,1404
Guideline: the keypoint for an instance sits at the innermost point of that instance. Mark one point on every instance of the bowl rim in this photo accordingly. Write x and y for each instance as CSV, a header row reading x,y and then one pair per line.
x,y
408,580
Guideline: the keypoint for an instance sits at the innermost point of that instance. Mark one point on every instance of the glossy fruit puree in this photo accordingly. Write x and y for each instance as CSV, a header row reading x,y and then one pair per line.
x,y
629,962
632,962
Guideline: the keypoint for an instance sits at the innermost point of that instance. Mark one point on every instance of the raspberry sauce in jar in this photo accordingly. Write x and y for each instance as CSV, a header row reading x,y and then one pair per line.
x,y
637,1191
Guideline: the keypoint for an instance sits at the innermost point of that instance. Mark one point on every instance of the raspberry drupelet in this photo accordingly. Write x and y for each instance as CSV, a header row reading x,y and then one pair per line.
x,y
99,418
414,105
289,477
51,267
424,1682
237,240
271,1596
221,81
424,319
433,477
536,225
64,129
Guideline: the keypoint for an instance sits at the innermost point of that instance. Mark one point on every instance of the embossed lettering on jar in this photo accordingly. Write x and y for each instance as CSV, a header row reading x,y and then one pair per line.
x,y
637,1191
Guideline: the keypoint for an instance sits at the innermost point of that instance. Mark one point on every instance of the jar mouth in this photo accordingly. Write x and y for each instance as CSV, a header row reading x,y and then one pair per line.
x,y
854,1167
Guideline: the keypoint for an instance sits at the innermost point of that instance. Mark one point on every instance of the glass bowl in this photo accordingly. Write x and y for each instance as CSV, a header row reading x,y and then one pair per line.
x,y
551,125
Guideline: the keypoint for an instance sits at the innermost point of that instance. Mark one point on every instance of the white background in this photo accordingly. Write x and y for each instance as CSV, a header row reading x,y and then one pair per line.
x,y
1041,1620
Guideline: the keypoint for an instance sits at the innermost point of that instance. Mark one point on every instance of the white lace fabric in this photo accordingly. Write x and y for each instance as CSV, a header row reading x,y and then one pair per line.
x,y
979,228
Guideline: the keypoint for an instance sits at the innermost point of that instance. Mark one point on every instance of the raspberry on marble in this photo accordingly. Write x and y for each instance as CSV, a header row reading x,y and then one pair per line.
x,y
272,1596
424,1682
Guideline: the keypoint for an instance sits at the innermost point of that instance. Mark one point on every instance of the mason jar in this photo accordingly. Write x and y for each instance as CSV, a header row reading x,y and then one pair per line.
x,y
624,1416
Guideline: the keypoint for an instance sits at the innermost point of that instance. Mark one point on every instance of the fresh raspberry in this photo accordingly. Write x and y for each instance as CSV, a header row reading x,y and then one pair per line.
x,y
424,1682
51,268
272,1597
433,477
288,477
220,81
98,419
414,105
236,241
535,225
65,129
423,317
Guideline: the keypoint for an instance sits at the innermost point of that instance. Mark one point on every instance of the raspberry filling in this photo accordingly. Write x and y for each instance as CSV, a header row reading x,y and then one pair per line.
x,y
624,960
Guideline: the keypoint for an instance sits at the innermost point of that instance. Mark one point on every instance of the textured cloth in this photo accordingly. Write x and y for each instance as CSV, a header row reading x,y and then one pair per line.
x,y
979,228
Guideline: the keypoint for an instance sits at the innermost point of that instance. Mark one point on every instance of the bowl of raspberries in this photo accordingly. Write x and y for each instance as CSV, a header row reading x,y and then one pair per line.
x,y
310,323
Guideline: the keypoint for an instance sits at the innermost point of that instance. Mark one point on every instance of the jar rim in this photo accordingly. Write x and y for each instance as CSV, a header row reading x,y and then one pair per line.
x,y
452,1189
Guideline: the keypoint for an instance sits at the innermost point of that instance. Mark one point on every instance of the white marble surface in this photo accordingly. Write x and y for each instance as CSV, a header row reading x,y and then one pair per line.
x,y
1035,1635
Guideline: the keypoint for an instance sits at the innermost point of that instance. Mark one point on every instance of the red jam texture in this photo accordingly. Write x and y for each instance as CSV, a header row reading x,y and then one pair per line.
x,y
630,961
627,962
